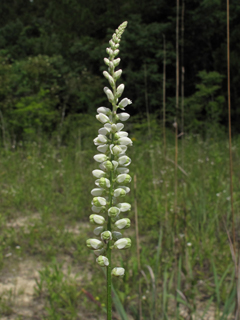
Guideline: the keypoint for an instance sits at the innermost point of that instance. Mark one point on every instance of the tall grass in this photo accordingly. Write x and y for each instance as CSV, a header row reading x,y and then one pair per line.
x,y
47,188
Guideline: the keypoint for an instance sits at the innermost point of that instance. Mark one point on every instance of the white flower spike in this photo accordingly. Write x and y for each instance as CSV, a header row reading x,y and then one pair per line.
x,y
111,175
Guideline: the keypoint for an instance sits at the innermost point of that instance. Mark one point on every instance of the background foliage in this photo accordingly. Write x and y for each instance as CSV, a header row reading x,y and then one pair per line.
x,y
51,61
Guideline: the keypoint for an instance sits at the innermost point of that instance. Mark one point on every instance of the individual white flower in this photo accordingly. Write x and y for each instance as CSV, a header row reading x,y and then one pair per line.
x,y
125,141
120,89
116,235
102,118
103,131
103,148
94,244
102,261
109,94
123,178
123,116
96,219
123,243
120,134
124,206
100,157
124,161
119,192
115,150
113,212
106,235
118,272
122,170
116,62
104,110
123,223
97,231
124,102
100,139
103,183
99,201
96,192
98,173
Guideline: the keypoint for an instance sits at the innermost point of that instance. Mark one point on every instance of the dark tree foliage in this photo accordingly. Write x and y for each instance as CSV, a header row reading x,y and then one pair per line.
x,y
51,53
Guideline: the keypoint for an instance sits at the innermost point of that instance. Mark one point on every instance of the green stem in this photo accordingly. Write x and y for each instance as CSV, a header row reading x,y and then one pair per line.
x,y
109,283
109,252
109,226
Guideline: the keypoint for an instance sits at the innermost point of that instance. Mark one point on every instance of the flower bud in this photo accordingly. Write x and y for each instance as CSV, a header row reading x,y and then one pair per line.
x,y
124,161
113,212
123,223
106,235
98,173
103,148
116,235
124,178
124,102
120,134
117,74
100,157
98,230
99,201
122,244
112,44
104,110
120,89
102,118
102,261
124,206
116,62
106,61
119,192
96,192
123,116
103,182
118,272
125,141
109,94
96,219
94,244
108,165
115,52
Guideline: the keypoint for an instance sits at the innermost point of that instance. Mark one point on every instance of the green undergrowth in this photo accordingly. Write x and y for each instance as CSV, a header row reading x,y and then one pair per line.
x,y
45,204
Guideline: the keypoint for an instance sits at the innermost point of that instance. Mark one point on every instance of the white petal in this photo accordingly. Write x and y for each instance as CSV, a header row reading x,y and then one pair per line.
x,y
122,170
104,110
103,148
103,131
123,116
120,126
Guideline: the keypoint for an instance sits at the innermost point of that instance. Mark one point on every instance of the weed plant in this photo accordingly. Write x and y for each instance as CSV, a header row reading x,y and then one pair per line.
x,y
44,215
